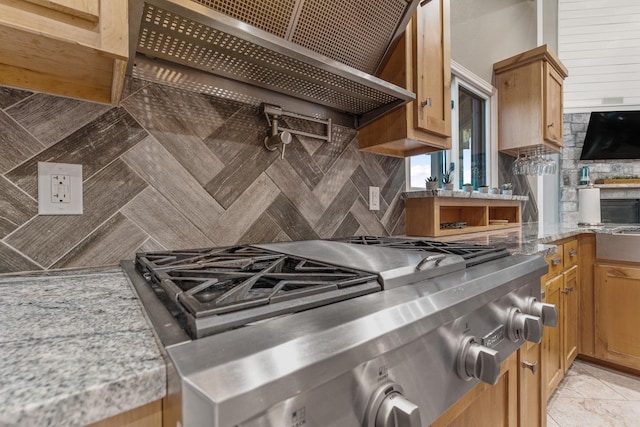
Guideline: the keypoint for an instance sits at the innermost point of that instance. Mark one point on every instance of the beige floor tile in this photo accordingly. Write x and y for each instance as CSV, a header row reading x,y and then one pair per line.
x,y
625,385
579,412
551,422
585,385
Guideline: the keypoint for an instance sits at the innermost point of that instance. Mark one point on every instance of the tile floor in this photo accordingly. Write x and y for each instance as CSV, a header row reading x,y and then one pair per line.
x,y
593,396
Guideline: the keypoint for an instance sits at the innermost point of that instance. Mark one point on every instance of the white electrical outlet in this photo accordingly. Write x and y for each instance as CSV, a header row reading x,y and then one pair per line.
x,y
374,198
59,189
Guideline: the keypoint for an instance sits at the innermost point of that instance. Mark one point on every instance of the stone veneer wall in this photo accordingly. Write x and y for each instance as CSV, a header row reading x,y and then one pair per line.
x,y
176,169
575,128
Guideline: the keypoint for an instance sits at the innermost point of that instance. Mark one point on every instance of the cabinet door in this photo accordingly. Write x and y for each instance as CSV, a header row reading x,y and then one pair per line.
x,y
532,409
617,314
86,9
485,405
553,105
570,299
552,340
432,72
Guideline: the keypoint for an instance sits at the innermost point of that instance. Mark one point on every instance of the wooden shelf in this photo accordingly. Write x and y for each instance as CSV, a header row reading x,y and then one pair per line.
x,y
425,215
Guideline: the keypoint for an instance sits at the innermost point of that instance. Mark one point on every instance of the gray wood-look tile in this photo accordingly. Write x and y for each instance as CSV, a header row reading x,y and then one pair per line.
x,y
16,144
10,96
300,160
245,127
115,240
264,230
348,227
395,184
160,169
163,222
400,228
245,211
367,219
371,167
131,86
16,207
50,118
390,218
45,239
150,245
329,152
11,261
335,178
388,164
239,174
289,183
93,146
289,219
336,212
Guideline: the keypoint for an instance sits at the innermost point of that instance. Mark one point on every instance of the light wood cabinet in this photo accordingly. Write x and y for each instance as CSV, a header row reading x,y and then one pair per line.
x,y
552,356
532,408
570,299
430,216
421,63
617,313
74,48
485,405
149,415
530,102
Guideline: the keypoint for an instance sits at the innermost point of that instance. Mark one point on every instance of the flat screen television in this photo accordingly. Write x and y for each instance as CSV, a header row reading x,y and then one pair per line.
x,y
612,135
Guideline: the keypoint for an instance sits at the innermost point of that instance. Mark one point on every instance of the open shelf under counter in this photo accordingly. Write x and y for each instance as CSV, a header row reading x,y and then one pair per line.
x,y
444,213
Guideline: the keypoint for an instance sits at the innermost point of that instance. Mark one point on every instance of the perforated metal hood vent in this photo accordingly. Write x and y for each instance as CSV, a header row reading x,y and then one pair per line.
x,y
323,51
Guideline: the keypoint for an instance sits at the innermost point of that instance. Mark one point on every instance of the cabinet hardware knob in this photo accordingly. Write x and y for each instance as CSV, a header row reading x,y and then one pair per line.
x,y
426,103
533,366
556,261
567,291
550,125
573,252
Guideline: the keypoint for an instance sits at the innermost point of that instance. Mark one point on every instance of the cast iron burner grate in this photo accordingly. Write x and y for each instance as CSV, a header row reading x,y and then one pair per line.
x,y
213,289
472,254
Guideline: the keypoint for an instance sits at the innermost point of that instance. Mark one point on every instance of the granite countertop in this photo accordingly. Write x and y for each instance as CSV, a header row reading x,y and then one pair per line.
x,y
530,239
75,349
461,194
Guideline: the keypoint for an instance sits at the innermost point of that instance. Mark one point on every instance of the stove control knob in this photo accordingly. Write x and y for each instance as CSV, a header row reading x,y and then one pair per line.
x,y
523,326
389,408
547,312
397,411
478,361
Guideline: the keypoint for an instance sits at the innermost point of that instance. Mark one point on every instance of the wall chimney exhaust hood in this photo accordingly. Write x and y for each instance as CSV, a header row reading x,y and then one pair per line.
x,y
322,51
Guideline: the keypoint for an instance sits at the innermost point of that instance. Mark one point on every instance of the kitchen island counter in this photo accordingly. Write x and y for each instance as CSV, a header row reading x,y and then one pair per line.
x,y
75,349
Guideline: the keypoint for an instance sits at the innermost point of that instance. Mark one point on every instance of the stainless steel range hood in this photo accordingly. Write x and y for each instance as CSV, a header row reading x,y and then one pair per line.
x,y
322,51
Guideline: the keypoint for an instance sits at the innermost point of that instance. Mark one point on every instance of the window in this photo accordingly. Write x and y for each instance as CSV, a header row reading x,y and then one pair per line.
x,y
471,136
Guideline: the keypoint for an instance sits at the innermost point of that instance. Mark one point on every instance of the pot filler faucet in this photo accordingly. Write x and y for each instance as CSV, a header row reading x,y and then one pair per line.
x,y
280,137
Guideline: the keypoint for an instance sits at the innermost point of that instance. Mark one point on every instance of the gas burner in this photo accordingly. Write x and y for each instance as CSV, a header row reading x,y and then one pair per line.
x,y
236,285
472,254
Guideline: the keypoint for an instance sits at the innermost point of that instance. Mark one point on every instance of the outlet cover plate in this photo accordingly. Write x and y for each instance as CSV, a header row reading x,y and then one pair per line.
x,y
59,189
374,198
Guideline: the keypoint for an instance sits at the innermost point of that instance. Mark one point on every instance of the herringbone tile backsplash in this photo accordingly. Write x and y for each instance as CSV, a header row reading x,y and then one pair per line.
x,y
176,169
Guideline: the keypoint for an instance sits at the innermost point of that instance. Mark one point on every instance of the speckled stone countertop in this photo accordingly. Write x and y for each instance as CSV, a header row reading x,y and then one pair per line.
x,y
75,348
531,238
461,194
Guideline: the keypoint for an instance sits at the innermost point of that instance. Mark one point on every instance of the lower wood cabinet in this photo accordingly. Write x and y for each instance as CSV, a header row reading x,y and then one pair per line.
x,y
552,356
149,415
532,407
617,313
570,301
485,405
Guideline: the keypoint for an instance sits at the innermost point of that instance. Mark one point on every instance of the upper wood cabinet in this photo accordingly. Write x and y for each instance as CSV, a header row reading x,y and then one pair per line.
x,y
421,63
530,102
74,48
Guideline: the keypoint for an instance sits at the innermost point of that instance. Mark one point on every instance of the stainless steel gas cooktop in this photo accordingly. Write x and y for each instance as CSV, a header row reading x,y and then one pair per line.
x,y
350,332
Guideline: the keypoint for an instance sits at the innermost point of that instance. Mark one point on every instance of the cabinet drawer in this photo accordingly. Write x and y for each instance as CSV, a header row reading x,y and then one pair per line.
x,y
570,254
556,261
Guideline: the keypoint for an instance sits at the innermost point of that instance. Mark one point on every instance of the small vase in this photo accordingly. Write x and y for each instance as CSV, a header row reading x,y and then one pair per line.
x,y
448,187
432,185
507,192
494,191
468,188
483,189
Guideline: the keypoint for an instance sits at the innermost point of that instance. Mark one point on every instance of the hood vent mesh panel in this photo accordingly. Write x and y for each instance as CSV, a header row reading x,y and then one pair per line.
x,y
168,36
353,32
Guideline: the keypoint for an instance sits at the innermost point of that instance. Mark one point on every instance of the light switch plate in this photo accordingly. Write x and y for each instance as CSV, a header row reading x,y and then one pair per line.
x,y
374,198
59,189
